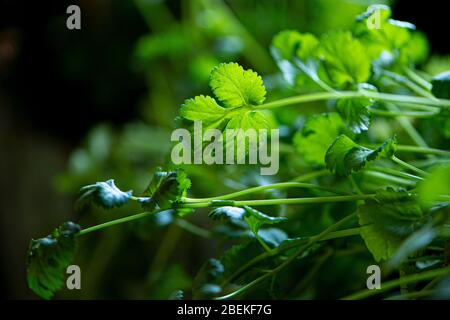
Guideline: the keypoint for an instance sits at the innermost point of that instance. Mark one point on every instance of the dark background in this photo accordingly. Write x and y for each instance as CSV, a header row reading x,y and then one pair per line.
x,y
56,84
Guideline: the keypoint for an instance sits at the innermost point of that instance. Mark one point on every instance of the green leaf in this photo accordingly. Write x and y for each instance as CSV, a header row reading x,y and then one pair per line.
x,y
48,259
318,133
436,184
227,213
170,188
290,43
272,236
237,87
344,60
202,108
345,156
383,38
355,111
104,194
441,85
389,220
256,219
294,53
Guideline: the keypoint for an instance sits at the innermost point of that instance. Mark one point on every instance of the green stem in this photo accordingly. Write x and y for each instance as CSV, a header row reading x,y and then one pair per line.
x,y
389,177
192,228
287,246
409,84
385,113
397,173
117,221
387,97
409,167
291,258
270,202
417,78
312,175
398,282
424,150
281,185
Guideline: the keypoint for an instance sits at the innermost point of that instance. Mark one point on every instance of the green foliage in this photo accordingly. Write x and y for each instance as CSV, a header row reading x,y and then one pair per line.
x,y
389,220
237,87
355,111
345,156
238,90
48,259
355,87
318,133
344,60
104,194
254,218
165,189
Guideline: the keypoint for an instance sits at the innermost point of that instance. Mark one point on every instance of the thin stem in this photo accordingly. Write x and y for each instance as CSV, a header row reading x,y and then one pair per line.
x,y
270,202
397,173
385,113
408,166
408,83
312,175
292,244
424,150
398,282
387,97
411,295
409,128
281,185
319,96
192,228
117,221
291,258
417,78
355,185
389,177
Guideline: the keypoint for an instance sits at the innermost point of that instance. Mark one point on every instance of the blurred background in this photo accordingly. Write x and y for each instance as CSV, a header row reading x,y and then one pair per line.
x,y
80,106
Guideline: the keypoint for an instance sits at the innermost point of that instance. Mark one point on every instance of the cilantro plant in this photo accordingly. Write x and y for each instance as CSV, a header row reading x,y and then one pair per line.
x,y
373,185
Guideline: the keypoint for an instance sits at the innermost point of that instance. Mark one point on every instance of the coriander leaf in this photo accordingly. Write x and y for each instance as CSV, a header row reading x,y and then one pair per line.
x,y
272,236
294,54
158,176
227,213
316,136
237,87
355,111
256,219
386,39
389,220
441,85
202,108
289,44
48,259
104,194
254,120
171,188
344,61
345,156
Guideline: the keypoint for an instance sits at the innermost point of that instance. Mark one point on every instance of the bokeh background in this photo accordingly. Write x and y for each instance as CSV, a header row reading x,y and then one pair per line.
x,y
86,105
